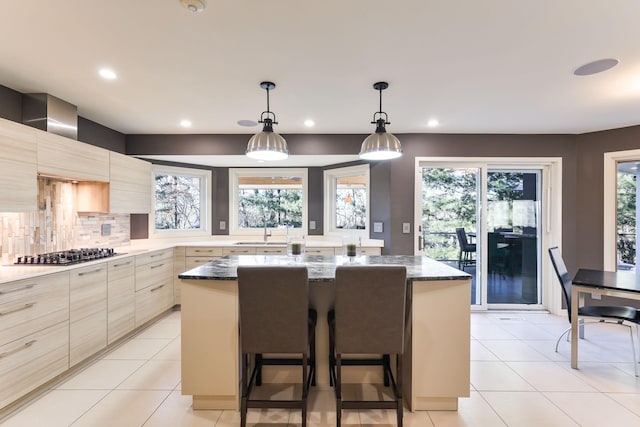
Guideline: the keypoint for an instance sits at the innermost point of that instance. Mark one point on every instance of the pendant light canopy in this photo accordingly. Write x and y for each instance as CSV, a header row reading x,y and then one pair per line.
x,y
267,145
380,145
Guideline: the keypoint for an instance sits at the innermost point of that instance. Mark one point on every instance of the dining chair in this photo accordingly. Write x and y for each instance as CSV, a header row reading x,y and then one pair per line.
x,y
616,314
275,321
467,250
369,318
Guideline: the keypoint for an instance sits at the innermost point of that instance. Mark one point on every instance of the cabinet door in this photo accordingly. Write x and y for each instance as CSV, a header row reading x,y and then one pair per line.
x,y
88,312
130,184
67,158
18,174
153,300
121,299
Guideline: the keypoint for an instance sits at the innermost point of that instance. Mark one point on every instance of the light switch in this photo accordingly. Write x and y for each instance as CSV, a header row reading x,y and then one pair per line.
x,y
312,225
223,225
377,227
406,227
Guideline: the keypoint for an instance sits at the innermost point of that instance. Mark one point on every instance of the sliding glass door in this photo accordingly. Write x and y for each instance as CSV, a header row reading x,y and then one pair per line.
x,y
485,219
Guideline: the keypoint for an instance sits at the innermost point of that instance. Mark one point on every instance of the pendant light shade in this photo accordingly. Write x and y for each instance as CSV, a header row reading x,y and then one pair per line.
x,y
380,145
267,145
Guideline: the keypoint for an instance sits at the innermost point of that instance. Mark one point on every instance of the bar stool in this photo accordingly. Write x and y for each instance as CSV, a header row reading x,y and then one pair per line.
x,y
369,318
275,318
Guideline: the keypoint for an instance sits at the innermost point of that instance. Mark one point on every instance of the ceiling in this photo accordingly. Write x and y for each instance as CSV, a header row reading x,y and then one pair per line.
x,y
493,66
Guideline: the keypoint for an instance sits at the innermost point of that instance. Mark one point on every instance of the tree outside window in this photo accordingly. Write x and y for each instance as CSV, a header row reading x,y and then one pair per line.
x,y
179,197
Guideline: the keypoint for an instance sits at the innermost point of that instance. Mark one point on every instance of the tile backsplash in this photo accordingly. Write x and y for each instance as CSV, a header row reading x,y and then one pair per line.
x,y
57,225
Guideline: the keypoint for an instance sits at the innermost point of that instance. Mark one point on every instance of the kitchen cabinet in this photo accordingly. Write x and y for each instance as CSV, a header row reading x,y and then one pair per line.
x,y
199,255
34,333
238,250
18,160
318,251
179,266
130,184
121,298
87,312
154,284
67,158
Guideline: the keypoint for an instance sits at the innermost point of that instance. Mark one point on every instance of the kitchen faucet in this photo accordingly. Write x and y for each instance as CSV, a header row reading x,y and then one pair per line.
x,y
264,220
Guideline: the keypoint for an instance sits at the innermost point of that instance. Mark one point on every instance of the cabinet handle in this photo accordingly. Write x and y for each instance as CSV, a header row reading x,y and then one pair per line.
x,y
156,288
24,346
24,307
18,289
121,265
202,250
155,255
267,251
83,273
156,266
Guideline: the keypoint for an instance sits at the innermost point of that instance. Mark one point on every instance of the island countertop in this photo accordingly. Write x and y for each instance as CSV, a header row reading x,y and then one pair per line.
x,y
323,267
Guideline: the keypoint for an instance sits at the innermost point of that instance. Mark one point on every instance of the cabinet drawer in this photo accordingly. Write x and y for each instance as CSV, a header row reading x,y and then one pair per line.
x,y
88,291
370,251
319,251
238,251
27,306
153,300
152,273
33,360
193,262
155,256
271,251
119,269
203,251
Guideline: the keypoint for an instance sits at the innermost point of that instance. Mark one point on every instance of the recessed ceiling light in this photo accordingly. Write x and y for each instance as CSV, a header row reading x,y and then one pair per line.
x,y
309,123
596,67
108,74
433,123
185,123
247,123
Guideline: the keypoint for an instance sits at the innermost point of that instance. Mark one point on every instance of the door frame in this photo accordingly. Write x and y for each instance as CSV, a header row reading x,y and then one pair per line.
x,y
609,240
551,211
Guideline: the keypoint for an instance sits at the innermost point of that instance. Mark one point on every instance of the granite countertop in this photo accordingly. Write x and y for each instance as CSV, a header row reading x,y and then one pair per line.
x,y
323,267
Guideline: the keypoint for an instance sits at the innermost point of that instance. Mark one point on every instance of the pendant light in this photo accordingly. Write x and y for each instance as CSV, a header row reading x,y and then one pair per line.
x,y
380,145
267,145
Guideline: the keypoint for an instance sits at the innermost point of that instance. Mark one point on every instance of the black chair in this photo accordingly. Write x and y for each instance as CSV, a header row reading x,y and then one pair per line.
x,y
466,256
606,314
275,318
369,319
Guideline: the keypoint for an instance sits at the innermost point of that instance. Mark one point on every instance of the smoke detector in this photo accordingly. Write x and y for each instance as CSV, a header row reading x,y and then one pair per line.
x,y
194,5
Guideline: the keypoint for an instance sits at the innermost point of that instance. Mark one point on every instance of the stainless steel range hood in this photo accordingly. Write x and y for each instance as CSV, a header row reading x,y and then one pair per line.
x,y
51,114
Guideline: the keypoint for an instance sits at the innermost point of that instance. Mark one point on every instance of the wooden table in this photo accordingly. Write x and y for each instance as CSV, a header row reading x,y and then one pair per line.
x,y
622,284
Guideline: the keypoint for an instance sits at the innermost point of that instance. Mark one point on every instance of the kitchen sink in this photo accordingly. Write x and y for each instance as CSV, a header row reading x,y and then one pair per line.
x,y
261,243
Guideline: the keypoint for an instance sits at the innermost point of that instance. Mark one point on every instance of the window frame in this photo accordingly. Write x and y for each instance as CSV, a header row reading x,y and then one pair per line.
x,y
205,201
235,173
330,183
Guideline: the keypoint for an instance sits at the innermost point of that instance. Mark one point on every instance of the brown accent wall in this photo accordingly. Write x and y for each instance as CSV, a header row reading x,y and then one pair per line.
x,y
10,104
96,134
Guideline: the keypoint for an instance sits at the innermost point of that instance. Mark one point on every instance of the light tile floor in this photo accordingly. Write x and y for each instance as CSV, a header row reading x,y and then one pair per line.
x,y
516,380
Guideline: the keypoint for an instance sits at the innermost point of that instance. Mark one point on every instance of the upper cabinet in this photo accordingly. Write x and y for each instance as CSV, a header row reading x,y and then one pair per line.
x,y
18,180
130,184
67,158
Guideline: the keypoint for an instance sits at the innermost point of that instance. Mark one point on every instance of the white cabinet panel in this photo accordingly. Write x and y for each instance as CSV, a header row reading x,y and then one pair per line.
x,y
18,175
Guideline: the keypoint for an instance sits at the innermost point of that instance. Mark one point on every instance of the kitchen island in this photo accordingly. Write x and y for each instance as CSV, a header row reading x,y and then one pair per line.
x,y
436,368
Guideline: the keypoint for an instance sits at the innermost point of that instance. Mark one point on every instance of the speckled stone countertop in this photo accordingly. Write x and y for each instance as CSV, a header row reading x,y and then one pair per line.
x,y
323,268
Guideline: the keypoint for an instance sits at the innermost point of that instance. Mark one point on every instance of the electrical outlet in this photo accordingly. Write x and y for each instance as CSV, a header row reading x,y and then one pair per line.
x,y
596,296
105,230
406,227
312,225
223,225
377,227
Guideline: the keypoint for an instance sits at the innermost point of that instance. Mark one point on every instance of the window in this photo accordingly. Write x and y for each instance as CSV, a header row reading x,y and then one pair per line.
x,y
265,197
347,200
181,200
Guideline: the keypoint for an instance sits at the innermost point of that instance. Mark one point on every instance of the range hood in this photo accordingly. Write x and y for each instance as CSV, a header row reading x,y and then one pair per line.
x,y
51,114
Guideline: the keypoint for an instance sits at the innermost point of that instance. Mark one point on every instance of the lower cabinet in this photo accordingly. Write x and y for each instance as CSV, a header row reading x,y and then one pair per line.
x,y
34,333
121,306
30,361
88,312
154,285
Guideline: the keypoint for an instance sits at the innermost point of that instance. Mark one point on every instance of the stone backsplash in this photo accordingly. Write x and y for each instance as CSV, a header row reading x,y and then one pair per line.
x,y
57,225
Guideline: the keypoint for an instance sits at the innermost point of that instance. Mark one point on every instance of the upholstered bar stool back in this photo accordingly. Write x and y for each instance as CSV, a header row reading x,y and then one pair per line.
x,y
369,318
275,318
